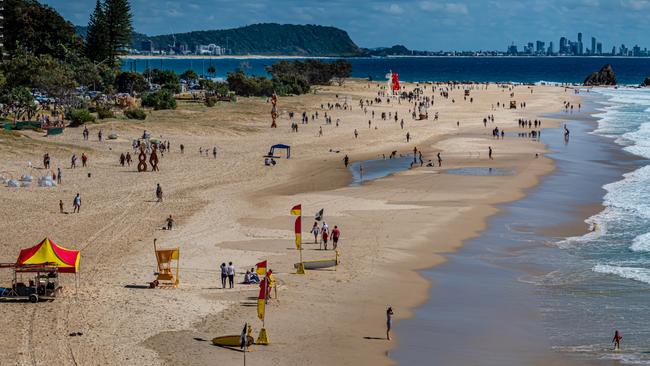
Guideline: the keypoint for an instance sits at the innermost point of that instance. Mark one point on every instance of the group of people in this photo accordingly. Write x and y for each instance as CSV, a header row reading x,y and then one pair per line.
x,y
227,275
322,235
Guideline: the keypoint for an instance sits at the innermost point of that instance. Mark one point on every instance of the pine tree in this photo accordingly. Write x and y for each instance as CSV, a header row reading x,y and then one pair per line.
x,y
119,27
97,35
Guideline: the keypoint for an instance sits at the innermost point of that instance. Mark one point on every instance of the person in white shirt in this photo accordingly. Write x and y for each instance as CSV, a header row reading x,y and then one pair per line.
x,y
231,275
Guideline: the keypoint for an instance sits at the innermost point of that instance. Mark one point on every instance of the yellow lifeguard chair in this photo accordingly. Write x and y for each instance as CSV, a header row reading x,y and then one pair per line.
x,y
165,277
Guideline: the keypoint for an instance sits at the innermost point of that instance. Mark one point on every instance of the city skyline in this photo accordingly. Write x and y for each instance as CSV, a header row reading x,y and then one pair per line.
x,y
421,25
580,47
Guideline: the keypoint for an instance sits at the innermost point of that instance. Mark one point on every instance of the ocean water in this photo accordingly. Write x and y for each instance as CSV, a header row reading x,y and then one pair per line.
x,y
610,277
629,71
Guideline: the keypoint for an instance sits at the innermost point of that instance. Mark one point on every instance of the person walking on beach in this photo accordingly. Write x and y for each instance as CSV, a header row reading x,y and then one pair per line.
x,y
159,193
99,135
356,133
84,159
315,230
170,222
61,206
224,275
346,161
73,161
439,160
617,340
389,321
128,158
490,152
214,152
336,233
182,148
76,204
325,237
231,275
408,136
58,175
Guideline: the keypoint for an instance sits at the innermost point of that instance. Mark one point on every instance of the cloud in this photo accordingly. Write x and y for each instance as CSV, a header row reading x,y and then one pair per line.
x,y
457,8
636,4
453,8
390,9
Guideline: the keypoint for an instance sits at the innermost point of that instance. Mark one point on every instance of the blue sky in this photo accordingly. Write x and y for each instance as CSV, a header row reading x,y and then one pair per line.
x,y
417,24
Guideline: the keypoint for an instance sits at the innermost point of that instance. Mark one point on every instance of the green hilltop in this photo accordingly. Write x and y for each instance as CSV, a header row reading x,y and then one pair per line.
x,y
261,39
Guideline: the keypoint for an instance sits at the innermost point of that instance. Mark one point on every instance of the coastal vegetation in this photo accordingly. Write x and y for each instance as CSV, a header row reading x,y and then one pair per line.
x,y
46,65
267,38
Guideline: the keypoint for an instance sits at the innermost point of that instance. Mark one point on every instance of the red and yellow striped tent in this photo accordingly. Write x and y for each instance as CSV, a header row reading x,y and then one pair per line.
x,y
47,252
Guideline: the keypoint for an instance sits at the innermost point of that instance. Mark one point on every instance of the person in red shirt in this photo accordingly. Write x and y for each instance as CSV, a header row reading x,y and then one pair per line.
x,y
84,159
325,237
336,233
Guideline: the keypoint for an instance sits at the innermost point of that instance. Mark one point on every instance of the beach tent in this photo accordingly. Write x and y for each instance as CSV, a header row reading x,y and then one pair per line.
x,y
47,252
279,146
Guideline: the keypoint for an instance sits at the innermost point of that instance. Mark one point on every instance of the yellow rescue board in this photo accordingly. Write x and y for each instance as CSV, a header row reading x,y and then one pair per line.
x,y
231,341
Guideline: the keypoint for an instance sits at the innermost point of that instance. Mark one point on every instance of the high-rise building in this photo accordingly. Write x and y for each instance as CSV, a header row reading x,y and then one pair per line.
x,y
593,45
563,46
636,51
579,47
512,49
539,47
550,48
599,48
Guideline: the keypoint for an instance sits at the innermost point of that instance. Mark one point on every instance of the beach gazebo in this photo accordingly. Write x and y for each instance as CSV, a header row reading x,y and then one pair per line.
x,y
271,153
48,252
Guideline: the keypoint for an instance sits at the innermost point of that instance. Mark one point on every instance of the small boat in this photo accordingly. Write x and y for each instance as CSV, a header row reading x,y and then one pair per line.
x,y
232,341
319,264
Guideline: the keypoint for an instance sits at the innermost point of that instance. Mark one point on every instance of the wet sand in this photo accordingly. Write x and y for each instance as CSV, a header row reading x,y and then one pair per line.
x,y
486,304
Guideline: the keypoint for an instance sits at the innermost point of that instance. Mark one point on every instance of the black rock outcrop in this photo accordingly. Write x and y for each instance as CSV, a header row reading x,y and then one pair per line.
x,y
605,76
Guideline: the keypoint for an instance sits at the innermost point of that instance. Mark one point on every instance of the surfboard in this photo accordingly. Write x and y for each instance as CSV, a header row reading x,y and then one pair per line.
x,y
231,341
318,264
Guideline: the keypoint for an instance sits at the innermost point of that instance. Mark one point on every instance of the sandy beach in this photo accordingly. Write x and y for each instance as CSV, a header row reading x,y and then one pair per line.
x,y
233,208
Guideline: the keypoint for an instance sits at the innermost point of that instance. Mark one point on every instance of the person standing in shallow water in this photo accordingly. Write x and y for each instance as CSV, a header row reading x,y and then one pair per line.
x,y
389,321
617,340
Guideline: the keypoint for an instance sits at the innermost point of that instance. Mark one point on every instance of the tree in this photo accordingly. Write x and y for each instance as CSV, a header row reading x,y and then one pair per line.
x,y
97,35
212,70
161,99
21,101
130,82
189,75
119,28
341,69
37,29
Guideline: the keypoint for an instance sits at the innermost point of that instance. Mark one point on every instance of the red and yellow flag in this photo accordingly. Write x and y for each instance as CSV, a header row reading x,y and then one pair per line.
x,y
260,268
298,230
261,299
296,210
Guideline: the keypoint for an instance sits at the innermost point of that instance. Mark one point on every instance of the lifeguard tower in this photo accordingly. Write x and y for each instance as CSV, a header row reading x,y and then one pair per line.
x,y
166,277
